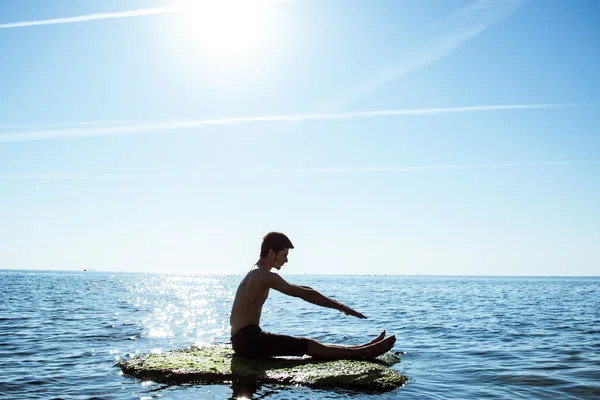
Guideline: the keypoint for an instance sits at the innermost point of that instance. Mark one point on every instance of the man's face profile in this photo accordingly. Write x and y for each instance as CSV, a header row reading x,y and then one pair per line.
x,y
278,259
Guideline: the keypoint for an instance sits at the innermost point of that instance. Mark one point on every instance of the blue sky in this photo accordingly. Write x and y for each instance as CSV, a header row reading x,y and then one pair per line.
x,y
384,137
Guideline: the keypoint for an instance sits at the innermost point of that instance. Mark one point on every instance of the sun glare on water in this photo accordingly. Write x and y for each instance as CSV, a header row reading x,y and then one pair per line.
x,y
223,31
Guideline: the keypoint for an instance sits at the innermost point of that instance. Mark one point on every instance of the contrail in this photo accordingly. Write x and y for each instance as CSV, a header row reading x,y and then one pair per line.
x,y
446,36
92,17
78,177
71,125
427,168
318,170
112,15
453,31
21,136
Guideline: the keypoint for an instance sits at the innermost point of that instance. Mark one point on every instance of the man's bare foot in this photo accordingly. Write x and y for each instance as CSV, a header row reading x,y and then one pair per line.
x,y
379,348
378,338
374,341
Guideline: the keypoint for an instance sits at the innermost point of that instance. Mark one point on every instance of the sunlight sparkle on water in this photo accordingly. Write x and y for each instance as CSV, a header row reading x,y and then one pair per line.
x,y
177,310
161,332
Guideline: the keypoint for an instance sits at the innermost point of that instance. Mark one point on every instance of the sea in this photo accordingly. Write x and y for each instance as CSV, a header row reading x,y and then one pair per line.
x,y
62,332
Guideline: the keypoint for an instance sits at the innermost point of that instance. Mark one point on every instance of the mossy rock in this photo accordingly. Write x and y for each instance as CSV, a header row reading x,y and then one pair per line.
x,y
219,364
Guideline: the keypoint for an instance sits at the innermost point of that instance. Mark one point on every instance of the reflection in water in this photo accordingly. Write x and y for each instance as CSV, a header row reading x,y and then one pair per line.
x,y
245,389
251,373
249,382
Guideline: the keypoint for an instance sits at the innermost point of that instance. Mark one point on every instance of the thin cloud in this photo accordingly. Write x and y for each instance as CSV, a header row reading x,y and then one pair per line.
x,y
428,168
31,135
319,170
450,34
71,125
54,177
92,17
446,36
112,15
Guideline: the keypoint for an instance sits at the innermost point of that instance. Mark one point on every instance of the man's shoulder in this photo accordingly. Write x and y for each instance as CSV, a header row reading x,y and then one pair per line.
x,y
258,274
265,277
264,274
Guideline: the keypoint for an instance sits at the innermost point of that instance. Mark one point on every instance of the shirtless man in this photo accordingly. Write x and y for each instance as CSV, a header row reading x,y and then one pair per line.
x,y
249,340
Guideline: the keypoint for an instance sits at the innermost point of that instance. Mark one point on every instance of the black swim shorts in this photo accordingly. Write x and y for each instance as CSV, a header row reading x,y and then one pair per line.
x,y
251,341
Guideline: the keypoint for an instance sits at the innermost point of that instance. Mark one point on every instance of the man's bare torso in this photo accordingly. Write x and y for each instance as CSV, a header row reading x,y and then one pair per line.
x,y
249,300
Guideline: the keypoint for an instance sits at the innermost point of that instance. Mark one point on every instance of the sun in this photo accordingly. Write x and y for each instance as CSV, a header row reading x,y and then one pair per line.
x,y
223,30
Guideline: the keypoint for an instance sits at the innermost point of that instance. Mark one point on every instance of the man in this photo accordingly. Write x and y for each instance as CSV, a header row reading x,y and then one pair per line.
x,y
249,340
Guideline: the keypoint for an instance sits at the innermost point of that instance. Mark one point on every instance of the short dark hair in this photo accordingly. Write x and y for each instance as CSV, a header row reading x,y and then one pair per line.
x,y
275,241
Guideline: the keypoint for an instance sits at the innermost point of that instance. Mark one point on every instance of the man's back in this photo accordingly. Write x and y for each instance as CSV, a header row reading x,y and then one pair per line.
x,y
249,299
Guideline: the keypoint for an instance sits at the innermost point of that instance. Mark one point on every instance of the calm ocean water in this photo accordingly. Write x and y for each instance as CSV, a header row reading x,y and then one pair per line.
x,y
464,337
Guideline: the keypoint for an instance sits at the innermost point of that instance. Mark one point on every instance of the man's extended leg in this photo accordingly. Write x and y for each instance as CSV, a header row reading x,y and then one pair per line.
x,y
332,352
376,340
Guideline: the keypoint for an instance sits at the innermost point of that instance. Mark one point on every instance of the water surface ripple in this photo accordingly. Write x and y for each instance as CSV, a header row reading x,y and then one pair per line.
x,y
463,337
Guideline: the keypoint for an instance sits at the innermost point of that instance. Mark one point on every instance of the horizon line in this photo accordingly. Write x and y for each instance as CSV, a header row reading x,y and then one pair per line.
x,y
294,274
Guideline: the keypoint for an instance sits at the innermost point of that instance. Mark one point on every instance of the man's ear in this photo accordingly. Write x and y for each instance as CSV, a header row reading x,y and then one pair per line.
x,y
271,255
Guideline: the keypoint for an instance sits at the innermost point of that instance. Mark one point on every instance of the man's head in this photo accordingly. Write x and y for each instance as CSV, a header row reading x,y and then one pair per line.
x,y
274,249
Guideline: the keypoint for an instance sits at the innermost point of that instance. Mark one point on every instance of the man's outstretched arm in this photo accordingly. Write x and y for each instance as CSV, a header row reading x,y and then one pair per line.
x,y
314,297
310,295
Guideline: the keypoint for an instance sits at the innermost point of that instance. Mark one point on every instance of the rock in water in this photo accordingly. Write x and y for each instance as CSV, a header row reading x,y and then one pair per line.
x,y
219,364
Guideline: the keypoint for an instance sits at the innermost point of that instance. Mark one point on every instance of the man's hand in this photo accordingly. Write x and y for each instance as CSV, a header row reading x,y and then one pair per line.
x,y
348,311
